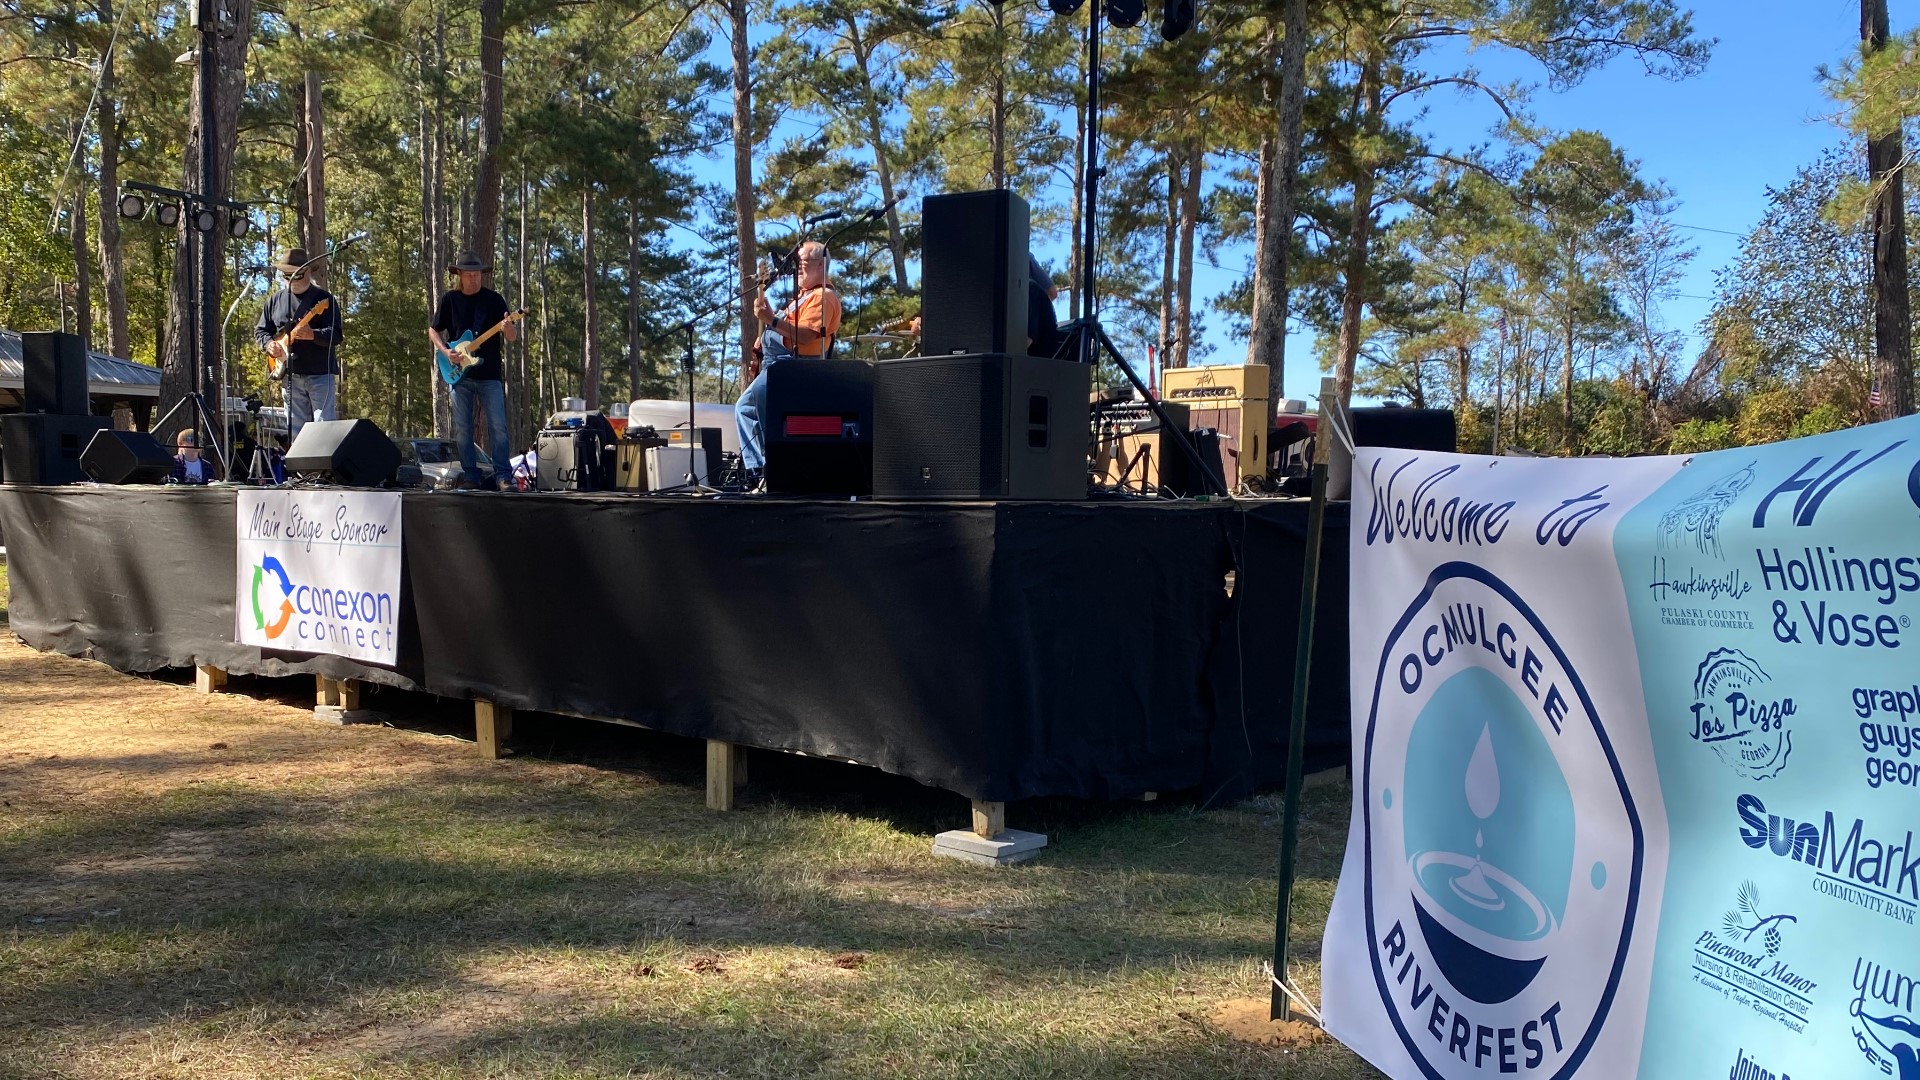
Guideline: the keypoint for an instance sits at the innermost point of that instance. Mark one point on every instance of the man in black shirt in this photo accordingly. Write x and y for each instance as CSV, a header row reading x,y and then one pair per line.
x,y
310,351
474,307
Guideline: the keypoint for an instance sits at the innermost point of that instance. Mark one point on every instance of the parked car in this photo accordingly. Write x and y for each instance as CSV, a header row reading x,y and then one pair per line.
x,y
434,464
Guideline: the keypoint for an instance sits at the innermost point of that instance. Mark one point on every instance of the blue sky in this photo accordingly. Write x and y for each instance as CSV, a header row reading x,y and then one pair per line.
x,y
1718,141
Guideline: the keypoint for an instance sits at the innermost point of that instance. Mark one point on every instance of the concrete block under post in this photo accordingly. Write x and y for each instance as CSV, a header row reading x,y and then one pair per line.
x,y
989,842
492,727
337,701
208,679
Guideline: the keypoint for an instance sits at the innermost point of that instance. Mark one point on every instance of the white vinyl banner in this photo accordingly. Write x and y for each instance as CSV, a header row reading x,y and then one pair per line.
x,y
1635,759
319,572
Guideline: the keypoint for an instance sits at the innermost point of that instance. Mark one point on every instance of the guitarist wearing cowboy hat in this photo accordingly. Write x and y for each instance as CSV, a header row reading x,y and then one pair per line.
x,y
475,307
310,351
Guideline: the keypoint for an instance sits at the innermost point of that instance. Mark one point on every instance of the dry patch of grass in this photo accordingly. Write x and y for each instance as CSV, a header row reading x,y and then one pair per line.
x,y
221,887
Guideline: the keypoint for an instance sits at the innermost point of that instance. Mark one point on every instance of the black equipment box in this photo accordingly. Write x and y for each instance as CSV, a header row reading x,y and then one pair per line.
x,y
1432,430
819,427
984,426
54,373
45,448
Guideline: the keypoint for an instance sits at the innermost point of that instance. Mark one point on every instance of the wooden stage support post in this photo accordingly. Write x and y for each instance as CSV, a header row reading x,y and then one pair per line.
x,y
209,679
989,819
493,726
724,773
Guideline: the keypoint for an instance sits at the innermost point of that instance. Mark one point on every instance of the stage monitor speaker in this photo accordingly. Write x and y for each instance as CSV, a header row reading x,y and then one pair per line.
x,y
45,449
973,265
54,374
980,427
126,457
355,453
818,427
1432,430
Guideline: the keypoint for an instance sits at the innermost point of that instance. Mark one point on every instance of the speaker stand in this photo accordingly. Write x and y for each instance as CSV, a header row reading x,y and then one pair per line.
x,y
1088,332
205,422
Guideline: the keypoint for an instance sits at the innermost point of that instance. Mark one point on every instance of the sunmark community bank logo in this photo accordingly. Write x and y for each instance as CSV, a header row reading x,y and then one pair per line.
x,y
267,618
1499,920
1735,713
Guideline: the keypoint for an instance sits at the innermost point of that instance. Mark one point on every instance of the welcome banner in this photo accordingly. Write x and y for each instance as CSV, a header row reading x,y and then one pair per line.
x,y
1636,781
318,571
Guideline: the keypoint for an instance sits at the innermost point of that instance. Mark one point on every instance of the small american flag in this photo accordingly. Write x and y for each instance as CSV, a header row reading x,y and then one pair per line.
x,y
1873,397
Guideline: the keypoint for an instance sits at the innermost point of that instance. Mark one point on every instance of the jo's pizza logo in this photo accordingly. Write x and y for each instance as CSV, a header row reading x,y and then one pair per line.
x,y
270,568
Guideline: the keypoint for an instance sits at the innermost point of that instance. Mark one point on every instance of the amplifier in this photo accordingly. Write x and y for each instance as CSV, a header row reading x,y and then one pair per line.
x,y
571,459
982,426
1215,382
630,463
684,459
1232,400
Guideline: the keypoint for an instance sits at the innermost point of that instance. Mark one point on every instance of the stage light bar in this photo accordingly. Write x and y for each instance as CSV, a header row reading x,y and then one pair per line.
x,y
133,206
237,225
203,220
166,214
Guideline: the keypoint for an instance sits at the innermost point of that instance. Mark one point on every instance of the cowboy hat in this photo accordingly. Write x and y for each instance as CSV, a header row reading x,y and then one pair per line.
x,y
467,260
295,261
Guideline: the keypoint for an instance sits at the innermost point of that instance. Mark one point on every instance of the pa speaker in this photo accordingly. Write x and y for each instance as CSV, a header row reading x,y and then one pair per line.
x,y
980,427
351,452
818,427
55,373
46,449
126,457
1432,430
973,263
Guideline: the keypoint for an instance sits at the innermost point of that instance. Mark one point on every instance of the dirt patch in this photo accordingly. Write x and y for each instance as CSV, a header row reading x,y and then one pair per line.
x,y
1247,1020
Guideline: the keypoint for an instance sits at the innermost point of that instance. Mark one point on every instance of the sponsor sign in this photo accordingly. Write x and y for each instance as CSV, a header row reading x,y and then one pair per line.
x,y
1636,765
318,572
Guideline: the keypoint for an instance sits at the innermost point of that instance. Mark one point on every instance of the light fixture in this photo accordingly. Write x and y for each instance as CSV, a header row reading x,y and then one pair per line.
x,y
167,215
203,219
185,59
237,225
133,206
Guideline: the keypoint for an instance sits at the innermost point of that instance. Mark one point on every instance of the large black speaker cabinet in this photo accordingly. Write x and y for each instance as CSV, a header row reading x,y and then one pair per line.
x,y
973,262
1433,430
980,427
45,449
126,457
351,452
55,373
818,426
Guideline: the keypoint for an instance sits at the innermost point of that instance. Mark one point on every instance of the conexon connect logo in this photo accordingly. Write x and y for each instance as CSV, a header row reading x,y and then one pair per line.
x,y
270,566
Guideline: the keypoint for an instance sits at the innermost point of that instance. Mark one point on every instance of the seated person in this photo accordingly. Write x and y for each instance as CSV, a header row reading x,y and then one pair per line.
x,y
805,328
1043,328
188,466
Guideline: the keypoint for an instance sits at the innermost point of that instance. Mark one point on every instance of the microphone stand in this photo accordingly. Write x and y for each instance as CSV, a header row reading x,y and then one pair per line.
x,y
686,326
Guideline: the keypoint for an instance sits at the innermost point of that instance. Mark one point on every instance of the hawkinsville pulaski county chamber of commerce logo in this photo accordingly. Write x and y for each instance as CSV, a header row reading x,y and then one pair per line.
x,y
1499,918
267,616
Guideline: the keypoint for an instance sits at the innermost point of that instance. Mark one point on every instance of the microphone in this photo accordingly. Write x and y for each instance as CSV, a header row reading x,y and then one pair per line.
x,y
828,216
877,214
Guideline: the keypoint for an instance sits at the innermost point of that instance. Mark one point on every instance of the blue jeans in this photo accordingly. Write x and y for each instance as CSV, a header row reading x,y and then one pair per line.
x,y
470,396
309,397
753,402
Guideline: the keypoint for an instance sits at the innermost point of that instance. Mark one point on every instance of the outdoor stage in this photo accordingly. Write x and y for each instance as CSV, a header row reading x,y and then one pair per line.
x,y
999,651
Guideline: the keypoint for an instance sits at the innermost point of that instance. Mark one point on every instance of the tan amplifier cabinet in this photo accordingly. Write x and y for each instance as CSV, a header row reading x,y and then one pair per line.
x,y
1232,400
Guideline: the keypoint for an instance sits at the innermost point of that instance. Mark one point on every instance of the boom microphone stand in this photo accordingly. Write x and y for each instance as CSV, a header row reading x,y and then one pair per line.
x,y
1086,331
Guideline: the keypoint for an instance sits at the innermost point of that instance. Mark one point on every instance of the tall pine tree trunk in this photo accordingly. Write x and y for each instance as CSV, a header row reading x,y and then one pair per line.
x,y
486,197
1189,225
177,376
113,274
315,125
1279,178
1169,248
590,338
744,205
997,132
1892,329
1354,289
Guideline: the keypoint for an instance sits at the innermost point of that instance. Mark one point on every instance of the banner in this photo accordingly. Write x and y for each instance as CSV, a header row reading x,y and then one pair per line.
x,y
1635,768
318,571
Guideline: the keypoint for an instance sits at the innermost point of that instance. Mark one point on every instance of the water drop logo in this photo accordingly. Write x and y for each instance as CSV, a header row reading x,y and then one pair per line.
x,y
271,566
1500,918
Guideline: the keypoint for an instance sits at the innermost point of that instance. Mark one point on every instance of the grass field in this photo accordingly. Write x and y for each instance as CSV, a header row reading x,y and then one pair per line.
x,y
222,887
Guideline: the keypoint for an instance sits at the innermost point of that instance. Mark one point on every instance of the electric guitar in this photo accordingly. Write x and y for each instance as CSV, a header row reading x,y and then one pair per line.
x,y
277,365
466,346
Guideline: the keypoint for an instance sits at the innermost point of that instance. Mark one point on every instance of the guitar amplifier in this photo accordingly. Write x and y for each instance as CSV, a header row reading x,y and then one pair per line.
x,y
630,463
688,457
571,459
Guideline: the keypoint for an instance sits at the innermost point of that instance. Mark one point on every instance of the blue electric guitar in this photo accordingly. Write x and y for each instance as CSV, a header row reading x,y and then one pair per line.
x,y
467,347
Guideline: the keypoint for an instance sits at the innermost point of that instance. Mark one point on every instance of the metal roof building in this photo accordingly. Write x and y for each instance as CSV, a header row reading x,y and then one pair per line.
x,y
108,377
